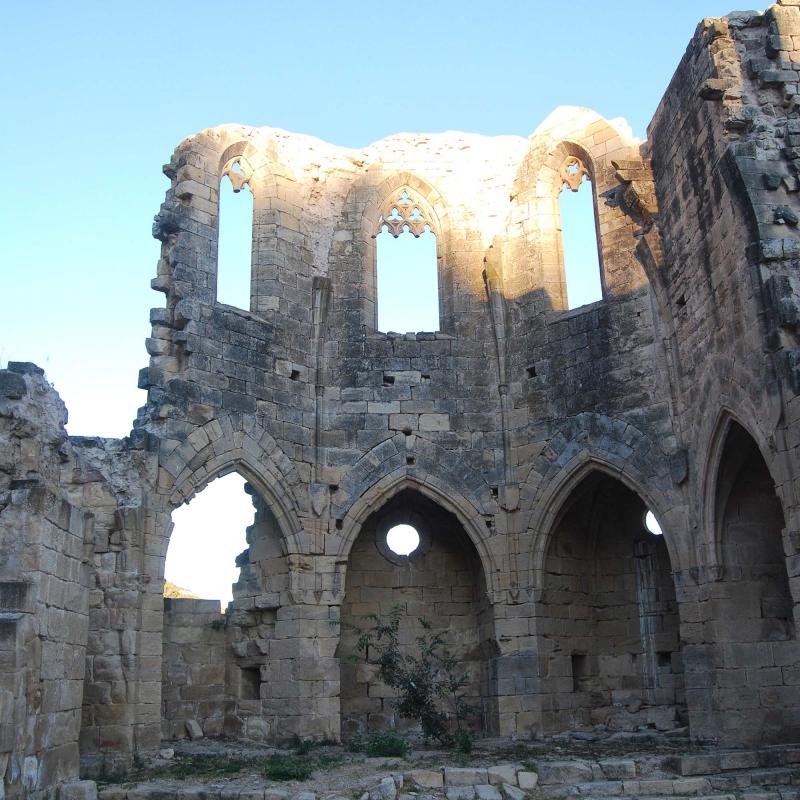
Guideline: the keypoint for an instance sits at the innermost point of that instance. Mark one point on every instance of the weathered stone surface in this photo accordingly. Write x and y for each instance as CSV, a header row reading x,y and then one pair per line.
x,y
426,778
12,385
464,776
193,729
618,768
526,438
503,773
564,772
511,792
460,792
78,790
487,792
527,780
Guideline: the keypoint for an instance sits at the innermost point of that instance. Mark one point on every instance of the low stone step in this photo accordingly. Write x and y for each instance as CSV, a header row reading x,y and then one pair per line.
x,y
662,797
757,778
642,787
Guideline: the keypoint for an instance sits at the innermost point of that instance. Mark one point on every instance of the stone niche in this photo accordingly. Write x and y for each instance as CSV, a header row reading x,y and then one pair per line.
x,y
442,582
608,620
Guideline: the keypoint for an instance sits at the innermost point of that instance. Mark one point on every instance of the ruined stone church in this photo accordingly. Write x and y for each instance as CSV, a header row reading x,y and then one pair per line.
x,y
525,440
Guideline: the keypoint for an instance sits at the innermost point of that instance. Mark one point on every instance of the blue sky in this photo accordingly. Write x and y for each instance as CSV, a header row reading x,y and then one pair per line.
x,y
95,96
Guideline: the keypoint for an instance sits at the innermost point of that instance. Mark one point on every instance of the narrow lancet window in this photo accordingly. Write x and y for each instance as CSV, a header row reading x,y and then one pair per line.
x,y
407,275
579,235
235,237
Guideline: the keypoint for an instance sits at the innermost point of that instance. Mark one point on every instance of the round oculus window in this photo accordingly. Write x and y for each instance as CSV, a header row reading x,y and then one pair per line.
x,y
651,523
402,540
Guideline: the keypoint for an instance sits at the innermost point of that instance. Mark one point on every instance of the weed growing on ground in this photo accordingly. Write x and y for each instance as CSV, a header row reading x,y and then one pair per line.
x,y
200,767
280,767
386,744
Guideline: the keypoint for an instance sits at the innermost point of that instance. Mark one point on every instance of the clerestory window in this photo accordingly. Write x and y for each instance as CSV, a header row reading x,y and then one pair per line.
x,y
406,265
235,236
579,235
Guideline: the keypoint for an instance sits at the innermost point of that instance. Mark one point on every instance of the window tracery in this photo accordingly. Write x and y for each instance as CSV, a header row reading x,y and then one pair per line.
x,y
402,213
572,172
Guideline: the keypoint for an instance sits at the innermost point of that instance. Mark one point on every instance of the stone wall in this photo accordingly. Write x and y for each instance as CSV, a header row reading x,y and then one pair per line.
x,y
44,582
499,420
608,618
193,667
726,180
442,583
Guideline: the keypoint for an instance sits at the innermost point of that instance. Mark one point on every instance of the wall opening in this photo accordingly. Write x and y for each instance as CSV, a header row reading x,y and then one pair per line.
x,y
235,238
608,619
407,276
579,238
250,686
441,581
751,615
200,569
402,539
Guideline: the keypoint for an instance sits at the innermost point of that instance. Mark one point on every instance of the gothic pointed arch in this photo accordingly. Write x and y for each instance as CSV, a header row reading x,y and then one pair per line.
x,y
606,608
551,504
445,496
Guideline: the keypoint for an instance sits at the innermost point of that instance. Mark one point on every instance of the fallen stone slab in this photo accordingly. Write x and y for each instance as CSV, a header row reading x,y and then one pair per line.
x,y
112,793
743,760
503,773
385,790
691,786
485,791
465,776
512,792
527,780
78,790
193,729
564,772
599,788
615,769
426,778
460,792
700,764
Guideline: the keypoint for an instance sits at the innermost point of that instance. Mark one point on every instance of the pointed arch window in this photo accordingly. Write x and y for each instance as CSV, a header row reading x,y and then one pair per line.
x,y
235,235
407,276
580,244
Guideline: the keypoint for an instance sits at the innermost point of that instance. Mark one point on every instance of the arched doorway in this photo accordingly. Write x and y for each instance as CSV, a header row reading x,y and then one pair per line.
x,y
607,619
439,578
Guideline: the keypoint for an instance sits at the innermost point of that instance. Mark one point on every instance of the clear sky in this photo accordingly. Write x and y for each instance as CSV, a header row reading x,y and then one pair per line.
x,y
95,96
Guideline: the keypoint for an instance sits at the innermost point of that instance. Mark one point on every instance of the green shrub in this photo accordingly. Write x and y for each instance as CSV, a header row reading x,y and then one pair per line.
x,y
329,760
304,746
200,767
280,767
358,744
426,682
386,744
463,741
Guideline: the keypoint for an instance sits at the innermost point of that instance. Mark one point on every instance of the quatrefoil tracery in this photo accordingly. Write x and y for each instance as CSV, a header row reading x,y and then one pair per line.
x,y
239,171
401,213
572,173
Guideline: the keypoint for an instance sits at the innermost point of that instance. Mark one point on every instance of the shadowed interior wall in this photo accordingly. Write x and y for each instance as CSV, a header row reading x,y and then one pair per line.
x,y
609,646
751,618
441,582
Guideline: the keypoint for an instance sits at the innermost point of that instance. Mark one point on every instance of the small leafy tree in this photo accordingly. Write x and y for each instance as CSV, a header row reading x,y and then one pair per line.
x,y
426,681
